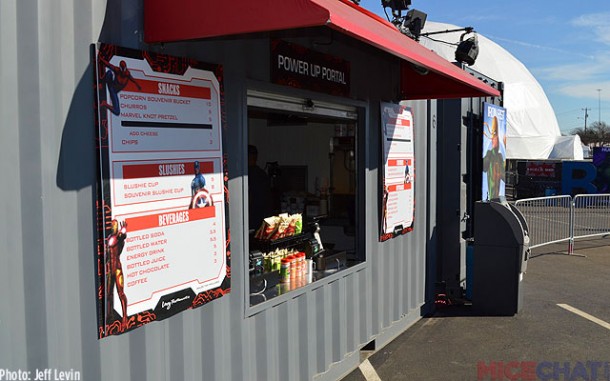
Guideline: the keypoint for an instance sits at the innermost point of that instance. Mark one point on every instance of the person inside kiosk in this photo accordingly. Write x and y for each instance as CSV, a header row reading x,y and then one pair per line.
x,y
259,190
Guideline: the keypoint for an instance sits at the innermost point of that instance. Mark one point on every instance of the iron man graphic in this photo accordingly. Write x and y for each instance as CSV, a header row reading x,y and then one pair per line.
x,y
114,271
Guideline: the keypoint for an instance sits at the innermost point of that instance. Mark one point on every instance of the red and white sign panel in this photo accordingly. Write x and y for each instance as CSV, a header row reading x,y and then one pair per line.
x,y
399,170
163,238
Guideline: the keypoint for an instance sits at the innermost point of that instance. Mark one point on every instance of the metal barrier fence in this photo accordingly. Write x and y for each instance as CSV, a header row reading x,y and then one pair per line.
x,y
591,215
549,219
563,218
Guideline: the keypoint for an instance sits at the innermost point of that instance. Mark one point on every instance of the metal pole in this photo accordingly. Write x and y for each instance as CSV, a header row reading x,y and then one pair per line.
x,y
572,220
599,105
586,116
466,29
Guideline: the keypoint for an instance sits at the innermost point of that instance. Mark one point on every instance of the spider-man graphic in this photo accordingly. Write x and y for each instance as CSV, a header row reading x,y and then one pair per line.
x,y
116,78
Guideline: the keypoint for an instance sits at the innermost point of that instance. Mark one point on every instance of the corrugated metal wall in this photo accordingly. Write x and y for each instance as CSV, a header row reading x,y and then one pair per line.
x,y
47,230
459,184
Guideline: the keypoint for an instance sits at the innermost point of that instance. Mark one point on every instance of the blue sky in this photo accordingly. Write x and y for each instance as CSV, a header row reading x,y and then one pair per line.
x,y
565,45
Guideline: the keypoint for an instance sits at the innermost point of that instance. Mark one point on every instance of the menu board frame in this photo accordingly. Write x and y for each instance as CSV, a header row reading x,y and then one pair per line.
x,y
398,176
163,240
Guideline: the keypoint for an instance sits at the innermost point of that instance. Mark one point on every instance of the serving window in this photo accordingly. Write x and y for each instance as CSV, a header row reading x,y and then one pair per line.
x,y
303,189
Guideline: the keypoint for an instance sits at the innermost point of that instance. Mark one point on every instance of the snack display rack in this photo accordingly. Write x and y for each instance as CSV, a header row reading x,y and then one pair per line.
x,y
283,243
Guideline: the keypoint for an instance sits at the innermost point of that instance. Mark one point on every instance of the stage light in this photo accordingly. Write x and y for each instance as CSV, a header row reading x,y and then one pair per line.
x,y
410,25
467,50
413,23
398,5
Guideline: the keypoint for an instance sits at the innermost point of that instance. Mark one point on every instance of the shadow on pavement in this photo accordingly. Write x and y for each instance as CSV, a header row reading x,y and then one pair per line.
x,y
454,342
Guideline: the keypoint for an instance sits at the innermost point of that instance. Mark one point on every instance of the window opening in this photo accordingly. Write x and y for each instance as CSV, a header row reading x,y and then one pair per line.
x,y
302,195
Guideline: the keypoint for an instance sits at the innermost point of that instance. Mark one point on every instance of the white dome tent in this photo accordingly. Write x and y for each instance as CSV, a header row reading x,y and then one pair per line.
x,y
532,129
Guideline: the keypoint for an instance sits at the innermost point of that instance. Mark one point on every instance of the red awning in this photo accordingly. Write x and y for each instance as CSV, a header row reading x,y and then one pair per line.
x,y
194,19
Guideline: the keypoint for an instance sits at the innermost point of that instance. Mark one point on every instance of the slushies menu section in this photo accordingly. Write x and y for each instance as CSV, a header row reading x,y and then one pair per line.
x,y
143,182
165,183
397,124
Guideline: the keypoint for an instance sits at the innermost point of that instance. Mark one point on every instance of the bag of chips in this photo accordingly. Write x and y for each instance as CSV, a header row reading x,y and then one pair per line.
x,y
268,228
282,227
298,223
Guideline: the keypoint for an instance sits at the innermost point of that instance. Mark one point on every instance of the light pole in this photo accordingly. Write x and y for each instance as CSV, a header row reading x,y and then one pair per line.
x,y
586,116
599,106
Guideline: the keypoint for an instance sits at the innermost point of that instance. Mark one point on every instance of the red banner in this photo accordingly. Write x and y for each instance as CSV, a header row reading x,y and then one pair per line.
x,y
538,169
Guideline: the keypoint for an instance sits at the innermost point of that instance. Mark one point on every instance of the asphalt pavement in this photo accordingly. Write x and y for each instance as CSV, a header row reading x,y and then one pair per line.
x,y
561,333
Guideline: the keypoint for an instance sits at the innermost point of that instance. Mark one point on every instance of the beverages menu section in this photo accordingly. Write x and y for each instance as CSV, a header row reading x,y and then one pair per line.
x,y
399,170
163,238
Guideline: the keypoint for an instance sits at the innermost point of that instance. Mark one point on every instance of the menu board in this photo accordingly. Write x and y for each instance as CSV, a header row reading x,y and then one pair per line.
x,y
162,218
398,205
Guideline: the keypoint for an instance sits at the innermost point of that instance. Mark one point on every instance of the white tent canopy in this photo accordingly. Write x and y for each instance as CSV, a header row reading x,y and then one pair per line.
x,y
532,128
567,147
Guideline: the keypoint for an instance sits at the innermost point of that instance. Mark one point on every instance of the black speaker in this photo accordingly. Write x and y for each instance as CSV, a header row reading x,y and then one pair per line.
x,y
396,5
467,51
414,22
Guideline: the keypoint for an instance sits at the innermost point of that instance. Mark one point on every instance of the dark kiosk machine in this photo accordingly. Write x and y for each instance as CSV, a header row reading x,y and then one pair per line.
x,y
501,251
